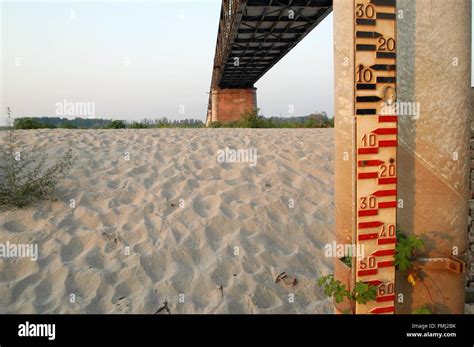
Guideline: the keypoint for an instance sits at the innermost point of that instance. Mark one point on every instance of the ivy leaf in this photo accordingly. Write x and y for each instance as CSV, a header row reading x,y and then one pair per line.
x,y
423,310
405,250
363,293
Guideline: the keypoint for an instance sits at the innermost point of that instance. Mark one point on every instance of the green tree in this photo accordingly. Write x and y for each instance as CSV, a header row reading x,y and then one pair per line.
x,y
67,125
137,125
117,124
27,123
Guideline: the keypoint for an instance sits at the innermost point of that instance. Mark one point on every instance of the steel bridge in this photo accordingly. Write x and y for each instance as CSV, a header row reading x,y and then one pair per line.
x,y
253,36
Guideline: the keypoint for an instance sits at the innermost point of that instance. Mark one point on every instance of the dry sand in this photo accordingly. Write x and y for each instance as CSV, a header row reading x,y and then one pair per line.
x,y
204,236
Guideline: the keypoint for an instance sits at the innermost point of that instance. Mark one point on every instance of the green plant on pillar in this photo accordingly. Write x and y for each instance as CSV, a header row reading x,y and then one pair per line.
x,y
405,253
425,309
347,261
406,250
333,288
361,294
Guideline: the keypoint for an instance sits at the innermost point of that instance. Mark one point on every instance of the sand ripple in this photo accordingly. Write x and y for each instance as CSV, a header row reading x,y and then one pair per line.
x,y
158,219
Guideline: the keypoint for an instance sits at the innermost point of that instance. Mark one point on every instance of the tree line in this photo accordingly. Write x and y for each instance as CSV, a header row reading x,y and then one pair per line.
x,y
248,120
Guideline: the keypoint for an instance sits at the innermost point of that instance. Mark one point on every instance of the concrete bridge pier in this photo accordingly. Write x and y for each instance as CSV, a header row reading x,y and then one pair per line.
x,y
434,56
229,104
434,73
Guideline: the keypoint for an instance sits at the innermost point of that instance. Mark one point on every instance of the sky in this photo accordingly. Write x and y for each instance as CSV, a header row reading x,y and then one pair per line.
x,y
142,59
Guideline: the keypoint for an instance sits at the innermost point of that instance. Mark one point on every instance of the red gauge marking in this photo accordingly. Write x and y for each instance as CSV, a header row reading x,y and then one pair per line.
x,y
372,150
367,272
366,237
367,213
385,131
384,252
381,193
364,163
385,298
385,263
379,310
387,241
388,143
387,204
388,119
368,175
388,180
368,225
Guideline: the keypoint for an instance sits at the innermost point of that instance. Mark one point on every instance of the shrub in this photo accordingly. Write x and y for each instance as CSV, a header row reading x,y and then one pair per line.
x,y
252,119
25,177
67,125
215,125
117,124
27,123
330,123
137,125
362,293
313,123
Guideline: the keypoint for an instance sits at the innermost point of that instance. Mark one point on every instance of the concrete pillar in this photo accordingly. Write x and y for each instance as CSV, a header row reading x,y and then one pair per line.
x,y
434,71
470,284
344,135
214,104
229,104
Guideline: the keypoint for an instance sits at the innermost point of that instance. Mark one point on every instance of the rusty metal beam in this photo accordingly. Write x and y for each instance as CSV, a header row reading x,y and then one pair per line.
x,y
253,35
256,31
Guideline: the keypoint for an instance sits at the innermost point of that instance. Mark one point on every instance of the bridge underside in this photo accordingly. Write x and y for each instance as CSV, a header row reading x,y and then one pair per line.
x,y
253,36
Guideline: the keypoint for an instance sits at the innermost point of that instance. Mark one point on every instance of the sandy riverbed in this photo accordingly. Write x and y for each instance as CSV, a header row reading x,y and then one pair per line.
x,y
158,219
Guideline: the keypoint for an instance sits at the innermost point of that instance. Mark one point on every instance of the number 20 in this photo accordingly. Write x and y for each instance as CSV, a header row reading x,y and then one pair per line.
x,y
388,170
386,44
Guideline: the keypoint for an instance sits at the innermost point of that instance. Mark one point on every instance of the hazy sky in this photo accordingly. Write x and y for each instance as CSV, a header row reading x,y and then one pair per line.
x,y
137,59
142,59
